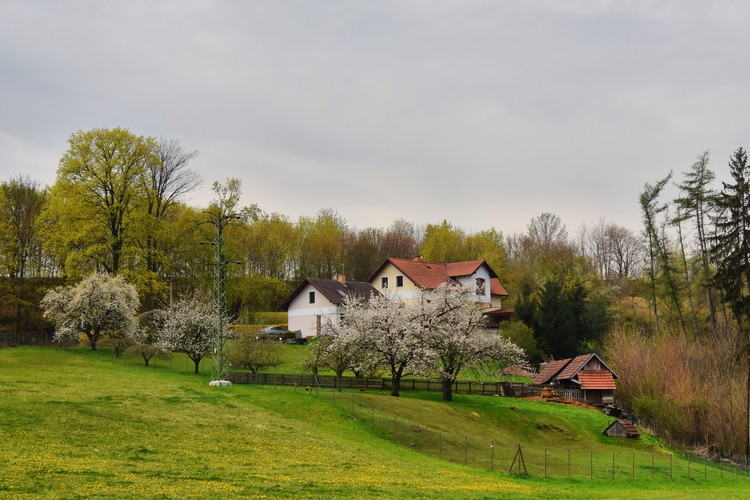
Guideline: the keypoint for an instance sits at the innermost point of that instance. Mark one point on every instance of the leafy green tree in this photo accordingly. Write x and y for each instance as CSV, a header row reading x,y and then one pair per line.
x,y
321,245
363,253
21,203
97,195
99,306
443,243
522,335
487,245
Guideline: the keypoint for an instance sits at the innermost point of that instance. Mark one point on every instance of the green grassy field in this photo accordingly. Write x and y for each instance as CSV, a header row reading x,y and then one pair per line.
x,y
74,423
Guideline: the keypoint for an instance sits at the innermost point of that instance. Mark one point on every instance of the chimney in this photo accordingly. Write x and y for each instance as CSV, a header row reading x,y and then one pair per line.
x,y
341,279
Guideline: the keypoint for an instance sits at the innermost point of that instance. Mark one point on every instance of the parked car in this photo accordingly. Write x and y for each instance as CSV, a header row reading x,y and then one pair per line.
x,y
272,332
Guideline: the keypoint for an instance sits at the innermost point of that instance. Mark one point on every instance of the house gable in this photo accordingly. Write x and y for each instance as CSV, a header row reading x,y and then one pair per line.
x,y
315,302
420,275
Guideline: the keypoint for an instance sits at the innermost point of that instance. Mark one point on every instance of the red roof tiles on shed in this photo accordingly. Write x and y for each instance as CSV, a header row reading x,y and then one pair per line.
x,y
596,379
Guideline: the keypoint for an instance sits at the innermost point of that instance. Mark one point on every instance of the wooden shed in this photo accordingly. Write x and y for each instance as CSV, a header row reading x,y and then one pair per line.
x,y
622,428
587,377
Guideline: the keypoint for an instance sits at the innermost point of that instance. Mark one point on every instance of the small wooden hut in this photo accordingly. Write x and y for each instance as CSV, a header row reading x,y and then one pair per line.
x,y
587,372
622,428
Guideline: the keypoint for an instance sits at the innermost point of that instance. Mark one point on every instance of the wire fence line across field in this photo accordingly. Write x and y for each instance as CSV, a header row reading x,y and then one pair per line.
x,y
554,461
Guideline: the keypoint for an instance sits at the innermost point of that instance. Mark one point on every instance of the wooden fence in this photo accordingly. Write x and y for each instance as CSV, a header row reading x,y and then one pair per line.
x,y
459,387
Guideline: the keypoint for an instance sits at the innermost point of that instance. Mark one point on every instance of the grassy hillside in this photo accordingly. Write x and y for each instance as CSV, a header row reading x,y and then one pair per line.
x,y
79,424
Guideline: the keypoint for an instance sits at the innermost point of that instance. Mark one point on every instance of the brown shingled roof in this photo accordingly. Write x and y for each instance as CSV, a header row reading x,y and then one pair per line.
x,y
574,366
550,370
334,290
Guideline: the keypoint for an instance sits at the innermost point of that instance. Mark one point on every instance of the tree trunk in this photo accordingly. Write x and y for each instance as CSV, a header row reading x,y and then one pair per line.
x,y
197,362
339,376
146,359
396,382
447,389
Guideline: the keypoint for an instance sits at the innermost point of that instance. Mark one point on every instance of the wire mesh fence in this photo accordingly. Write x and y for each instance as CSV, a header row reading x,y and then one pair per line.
x,y
558,460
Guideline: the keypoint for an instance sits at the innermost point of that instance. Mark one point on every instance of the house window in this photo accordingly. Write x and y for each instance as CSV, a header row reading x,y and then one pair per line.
x,y
312,297
384,282
480,286
399,281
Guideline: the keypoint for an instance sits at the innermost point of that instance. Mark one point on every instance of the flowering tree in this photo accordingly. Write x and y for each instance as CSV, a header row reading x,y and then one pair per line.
x,y
146,339
384,330
452,330
99,306
189,326
440,330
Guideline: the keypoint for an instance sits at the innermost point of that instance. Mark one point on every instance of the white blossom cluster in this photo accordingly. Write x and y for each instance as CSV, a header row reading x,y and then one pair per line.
x,y
438,332
189,325
98,306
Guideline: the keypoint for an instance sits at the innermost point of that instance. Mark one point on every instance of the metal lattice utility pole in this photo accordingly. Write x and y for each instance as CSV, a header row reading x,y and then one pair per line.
x,y
219,369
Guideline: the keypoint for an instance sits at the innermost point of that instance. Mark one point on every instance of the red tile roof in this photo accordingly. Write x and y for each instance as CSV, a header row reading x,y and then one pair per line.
x,y
596,379
497,288
430,275
551,369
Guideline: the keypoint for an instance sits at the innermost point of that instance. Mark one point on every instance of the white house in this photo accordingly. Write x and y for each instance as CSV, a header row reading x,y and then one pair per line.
x,y
316,301
405,278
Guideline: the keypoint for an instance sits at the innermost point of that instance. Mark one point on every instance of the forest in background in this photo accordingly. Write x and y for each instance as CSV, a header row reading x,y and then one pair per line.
x,y
680,286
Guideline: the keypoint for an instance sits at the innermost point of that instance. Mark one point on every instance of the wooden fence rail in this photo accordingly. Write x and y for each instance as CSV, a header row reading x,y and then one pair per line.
x,y
459,387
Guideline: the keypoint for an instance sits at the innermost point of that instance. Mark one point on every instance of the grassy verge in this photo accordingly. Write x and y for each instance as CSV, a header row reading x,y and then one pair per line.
x,y
79,424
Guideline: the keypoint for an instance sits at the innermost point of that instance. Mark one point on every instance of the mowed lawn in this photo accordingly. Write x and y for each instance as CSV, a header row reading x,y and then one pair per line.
x,y
79,424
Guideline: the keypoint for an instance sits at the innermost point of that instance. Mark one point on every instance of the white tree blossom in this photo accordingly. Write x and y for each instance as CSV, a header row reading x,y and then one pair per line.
x,y
440,330
384,329
99,306
454,333
189,326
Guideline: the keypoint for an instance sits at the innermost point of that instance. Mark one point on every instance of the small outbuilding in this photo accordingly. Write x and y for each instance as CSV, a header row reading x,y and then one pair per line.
x,y
622,428
587,372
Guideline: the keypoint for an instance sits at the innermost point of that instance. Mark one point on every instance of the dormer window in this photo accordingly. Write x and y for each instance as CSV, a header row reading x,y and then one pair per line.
x,y
480,286
384,282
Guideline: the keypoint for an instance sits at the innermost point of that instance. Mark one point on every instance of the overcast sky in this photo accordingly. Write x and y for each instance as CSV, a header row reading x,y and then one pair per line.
x,y
484,113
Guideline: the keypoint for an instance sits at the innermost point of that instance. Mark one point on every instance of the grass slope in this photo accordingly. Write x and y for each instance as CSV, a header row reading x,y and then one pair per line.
x,y
79,424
